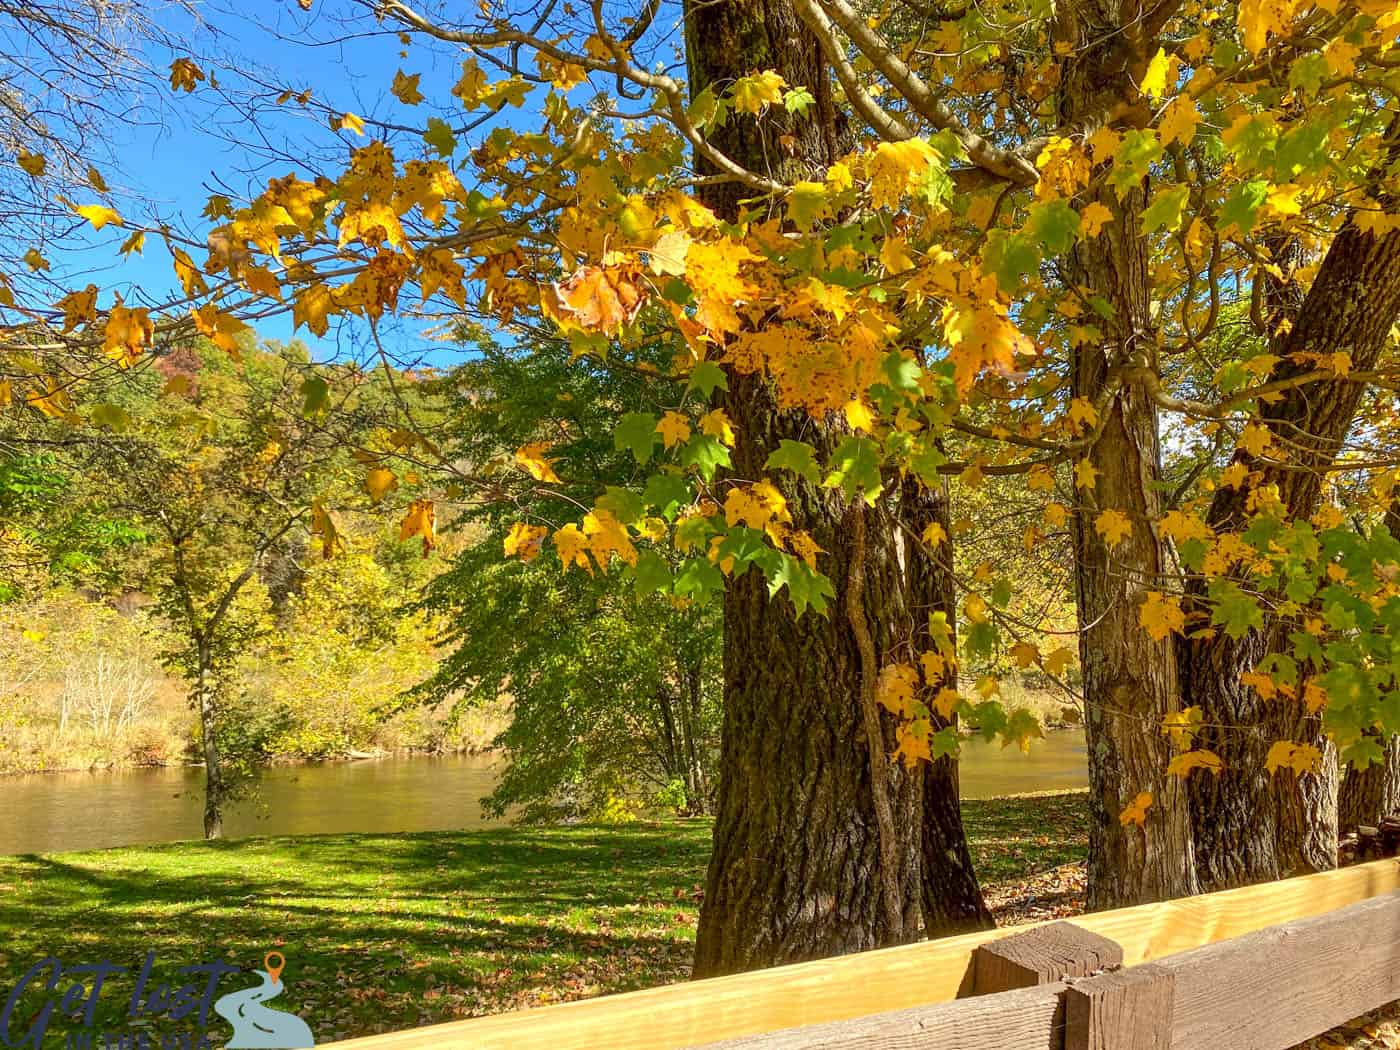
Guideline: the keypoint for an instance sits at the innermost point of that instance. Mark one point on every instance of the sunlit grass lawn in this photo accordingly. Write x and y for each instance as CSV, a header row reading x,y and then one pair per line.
x,y
392,931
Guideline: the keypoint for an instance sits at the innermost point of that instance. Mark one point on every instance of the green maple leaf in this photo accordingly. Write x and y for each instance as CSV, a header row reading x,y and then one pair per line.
x,y
636,431
855,469
705,454
706,377
806,587
439,136
796,456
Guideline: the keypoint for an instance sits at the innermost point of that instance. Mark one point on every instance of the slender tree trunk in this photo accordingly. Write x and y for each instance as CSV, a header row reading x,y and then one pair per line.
x,y
952,899
796,870
1130,681
1249,827
206,700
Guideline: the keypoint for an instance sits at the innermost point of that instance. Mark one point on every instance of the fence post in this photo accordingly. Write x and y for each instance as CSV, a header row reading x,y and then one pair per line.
x,y
1041,956
1127,1010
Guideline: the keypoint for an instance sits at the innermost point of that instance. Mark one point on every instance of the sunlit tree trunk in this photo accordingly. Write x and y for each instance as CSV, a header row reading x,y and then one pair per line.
x,y
797,870
1248,826
1130,681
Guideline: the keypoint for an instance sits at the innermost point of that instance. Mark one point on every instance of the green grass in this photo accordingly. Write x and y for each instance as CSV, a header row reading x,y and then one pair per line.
x,y
383,932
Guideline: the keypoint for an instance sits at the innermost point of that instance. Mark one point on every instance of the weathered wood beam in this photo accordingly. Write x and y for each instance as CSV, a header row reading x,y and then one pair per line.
x,y
698,1012
1041,955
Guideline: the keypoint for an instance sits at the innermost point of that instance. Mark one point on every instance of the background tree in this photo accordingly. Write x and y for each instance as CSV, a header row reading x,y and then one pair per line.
x,y
221,479
613,693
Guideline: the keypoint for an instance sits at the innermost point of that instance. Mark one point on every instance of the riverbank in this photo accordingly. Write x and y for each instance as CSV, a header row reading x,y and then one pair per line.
x,y
383,932
391,931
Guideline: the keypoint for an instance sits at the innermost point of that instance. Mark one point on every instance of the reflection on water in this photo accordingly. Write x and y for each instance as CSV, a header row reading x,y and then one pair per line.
x,y
1058,762
76,811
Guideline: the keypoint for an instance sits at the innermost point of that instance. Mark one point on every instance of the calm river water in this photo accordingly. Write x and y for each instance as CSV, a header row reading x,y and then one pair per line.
x,y
77,811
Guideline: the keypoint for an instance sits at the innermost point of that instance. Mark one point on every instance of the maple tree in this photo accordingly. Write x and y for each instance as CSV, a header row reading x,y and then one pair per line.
x,y
1142,259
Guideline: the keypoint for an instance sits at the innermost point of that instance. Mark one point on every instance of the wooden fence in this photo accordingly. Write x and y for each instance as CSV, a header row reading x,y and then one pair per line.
x,y
1257,968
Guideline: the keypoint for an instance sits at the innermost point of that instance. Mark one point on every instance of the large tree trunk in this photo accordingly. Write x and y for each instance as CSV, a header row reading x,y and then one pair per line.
x,y
206,702
1249,827
796,871
1130,681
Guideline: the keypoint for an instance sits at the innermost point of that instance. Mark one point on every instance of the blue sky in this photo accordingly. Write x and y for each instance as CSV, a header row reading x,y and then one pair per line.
x,y
202,143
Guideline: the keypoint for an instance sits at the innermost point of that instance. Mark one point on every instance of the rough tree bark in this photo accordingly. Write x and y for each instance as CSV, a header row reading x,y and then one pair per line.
x,y
796,870
1371,794
1130,681
1249,827
952,900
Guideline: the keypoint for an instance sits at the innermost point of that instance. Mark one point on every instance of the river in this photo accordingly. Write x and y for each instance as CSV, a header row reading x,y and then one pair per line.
x,y
77,811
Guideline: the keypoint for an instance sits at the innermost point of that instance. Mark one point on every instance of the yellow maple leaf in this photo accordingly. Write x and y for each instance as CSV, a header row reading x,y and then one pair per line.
x,y
1161,614
1058,662
1254,439
1114,526
1179,121
934,534
1159,71
379,482
1284,199
1083,414
184,75
35,260
33,163
1025,654
1261,683
601,300
896,687
1056,515
98,214
1286,754
127,333
323,525
572,546
531,457
859,416
912,746
1233,476
1085,474
349,122
607,536
753,92
420,520
674,429
946,702
405,88
525,541
717,425
668,254
1094,217
1183,764
1182,727
1136,811
805,548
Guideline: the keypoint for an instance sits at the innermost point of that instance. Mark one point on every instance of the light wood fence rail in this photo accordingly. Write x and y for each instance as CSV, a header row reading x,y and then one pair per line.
x,y
1257,968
